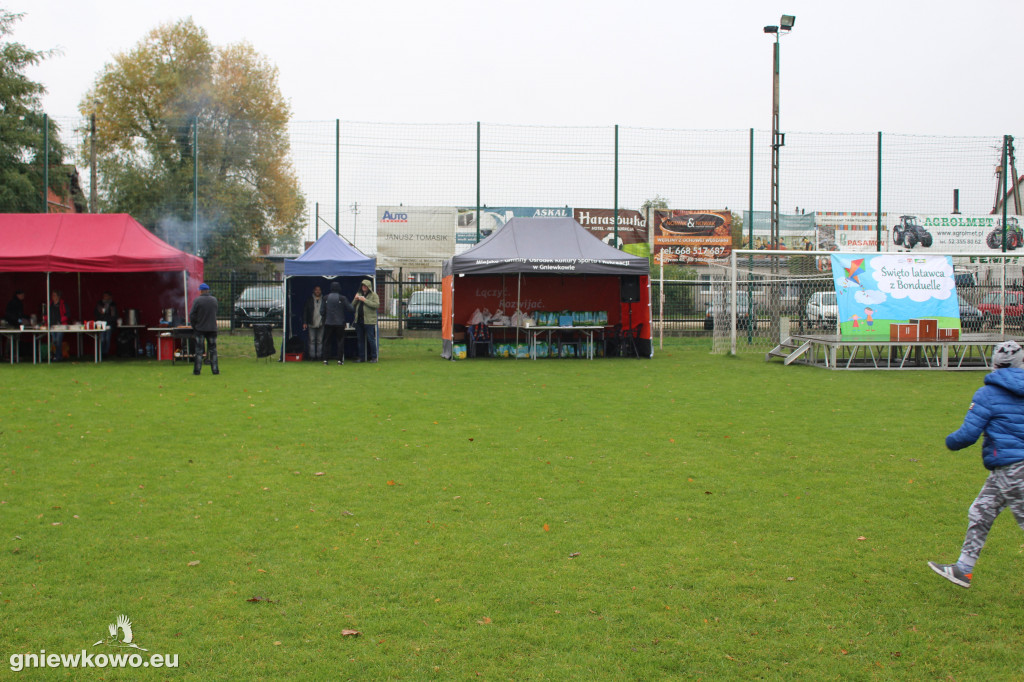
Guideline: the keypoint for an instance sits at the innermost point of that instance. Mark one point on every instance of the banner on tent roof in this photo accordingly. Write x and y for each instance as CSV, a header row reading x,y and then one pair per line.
x,y
633,235
415,235
682,236
875,292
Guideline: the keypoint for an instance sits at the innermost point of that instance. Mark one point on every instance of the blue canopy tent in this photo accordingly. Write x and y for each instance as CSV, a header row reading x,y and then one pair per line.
x,y
330,259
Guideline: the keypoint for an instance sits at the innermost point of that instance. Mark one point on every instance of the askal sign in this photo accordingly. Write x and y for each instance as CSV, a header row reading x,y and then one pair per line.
x,y
875,292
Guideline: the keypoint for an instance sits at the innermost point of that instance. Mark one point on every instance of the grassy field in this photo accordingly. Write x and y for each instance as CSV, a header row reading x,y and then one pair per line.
x,y
693,516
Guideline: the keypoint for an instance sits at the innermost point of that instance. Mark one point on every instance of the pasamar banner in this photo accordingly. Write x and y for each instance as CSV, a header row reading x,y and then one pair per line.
x,y
875,292
415,235
633,235
684,236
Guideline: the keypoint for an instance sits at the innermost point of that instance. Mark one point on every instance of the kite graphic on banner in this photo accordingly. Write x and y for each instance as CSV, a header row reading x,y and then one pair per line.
x,y
875,292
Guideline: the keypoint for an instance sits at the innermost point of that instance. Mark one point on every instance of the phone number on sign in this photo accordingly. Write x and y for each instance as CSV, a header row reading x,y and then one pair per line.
x,y
698,251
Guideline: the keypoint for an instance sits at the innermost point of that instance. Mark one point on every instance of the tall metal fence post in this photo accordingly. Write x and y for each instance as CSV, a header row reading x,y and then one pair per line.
x,y
46,163
878,208
1006,140
337,175
478,182
93,190
750,241
195,183
616,205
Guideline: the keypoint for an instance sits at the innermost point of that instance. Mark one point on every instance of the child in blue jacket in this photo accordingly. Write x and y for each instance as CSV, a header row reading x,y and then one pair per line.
x,y
998,412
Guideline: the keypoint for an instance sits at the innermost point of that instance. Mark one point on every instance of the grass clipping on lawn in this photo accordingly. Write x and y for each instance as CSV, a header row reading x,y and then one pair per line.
x,y
692,515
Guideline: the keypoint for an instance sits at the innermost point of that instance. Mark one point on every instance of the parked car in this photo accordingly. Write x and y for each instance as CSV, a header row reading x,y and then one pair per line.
x,y
908,232
424,310
747,311
259,305
822,310
994,304
971,318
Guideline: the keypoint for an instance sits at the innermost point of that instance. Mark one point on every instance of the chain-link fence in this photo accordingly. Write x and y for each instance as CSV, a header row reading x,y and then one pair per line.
x,y
770,297
348,173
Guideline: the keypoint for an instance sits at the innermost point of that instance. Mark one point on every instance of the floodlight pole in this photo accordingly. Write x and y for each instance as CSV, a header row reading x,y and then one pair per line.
x,y
774,237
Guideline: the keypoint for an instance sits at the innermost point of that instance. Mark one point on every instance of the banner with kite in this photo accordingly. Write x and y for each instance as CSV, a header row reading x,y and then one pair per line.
x,y
875,292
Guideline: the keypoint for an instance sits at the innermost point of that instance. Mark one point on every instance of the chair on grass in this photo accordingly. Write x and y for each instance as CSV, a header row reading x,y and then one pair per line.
x,y
479,334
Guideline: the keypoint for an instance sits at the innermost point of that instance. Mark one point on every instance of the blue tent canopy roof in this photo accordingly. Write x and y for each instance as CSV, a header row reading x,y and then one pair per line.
x,y
331,256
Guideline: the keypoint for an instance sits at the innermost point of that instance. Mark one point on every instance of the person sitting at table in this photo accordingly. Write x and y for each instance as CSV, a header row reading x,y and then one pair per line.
x,y
58,314
15,312
106,311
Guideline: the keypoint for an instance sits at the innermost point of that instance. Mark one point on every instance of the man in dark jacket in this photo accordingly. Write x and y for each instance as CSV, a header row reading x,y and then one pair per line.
x,y
998,412
203,317
335,308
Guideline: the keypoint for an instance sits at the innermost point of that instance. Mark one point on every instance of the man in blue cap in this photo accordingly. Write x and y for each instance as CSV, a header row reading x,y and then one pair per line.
x,y
203,317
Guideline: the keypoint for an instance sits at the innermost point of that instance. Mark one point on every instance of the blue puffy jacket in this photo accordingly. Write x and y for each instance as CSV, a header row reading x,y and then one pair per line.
x,y
998,411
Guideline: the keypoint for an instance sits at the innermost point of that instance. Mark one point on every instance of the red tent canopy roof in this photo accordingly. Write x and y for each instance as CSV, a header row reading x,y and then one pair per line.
x,y
86,242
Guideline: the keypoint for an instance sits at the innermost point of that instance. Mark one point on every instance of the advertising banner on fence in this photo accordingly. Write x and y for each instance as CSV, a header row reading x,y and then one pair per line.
x,y
874,293
633,235
415,235
796,232
682,236
848,231
492,218
952,233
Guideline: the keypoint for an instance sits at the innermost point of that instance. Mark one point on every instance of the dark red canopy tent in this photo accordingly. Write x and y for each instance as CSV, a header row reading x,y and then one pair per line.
x,y
83,255
547,264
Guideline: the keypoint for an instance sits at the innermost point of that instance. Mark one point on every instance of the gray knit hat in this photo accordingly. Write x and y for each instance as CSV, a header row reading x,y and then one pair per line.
x,y
1007,354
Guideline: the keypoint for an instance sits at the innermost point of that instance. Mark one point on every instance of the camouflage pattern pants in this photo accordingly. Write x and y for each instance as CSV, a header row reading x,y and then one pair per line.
x,y
1003,488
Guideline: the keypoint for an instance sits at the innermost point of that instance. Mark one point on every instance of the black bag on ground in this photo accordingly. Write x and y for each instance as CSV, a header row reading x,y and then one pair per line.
x,y
263,340
293,344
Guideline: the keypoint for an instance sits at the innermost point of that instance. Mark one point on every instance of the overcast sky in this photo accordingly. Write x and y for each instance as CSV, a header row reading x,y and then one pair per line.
x,y
939,67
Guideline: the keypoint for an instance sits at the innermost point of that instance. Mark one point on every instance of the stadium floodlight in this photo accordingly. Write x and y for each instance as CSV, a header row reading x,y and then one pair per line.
x,y
786,22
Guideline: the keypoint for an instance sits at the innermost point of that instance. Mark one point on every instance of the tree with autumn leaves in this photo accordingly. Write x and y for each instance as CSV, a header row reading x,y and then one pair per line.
x,y
174,103
23,150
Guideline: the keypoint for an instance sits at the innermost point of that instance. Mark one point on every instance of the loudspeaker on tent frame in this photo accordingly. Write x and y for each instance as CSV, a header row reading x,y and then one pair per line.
x,y
629,288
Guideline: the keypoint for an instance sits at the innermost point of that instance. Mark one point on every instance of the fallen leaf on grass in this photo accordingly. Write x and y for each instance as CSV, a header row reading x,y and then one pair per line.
x,y
862,538
260,570
194,563
350,633
546,527
319,473
346,512
574,555
790,579
485,621
278,643
259,599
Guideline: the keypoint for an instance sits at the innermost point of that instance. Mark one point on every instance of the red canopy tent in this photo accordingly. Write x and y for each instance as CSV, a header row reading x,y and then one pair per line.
x,y
547,264
84,255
